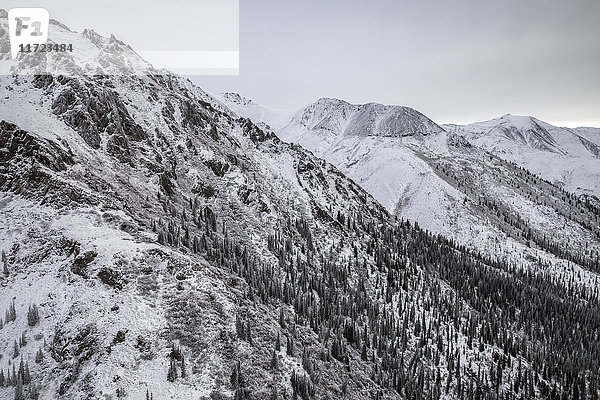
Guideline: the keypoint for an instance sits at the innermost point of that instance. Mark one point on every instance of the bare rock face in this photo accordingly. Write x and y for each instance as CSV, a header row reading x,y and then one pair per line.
x,y
93,109
18,146
27,162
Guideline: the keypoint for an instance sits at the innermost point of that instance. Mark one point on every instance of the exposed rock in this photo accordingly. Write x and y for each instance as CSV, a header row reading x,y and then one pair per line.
x,y
81,262
112,278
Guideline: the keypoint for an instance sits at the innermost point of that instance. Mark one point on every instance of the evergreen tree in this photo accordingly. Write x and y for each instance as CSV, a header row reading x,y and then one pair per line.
x,y
27,374
11,313
33,315
39,356
240,328
15,350
21,371
34,391
274,360
274,395
248,332
172,374
19,393
236,376
281,318
5,264
183,367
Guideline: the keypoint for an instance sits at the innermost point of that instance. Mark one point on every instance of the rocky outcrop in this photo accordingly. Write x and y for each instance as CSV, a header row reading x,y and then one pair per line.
x,y
94,110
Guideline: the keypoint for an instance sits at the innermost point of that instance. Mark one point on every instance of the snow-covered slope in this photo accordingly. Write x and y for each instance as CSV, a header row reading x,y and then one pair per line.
x,y
566,156
125,220
438,177
369,142
450,186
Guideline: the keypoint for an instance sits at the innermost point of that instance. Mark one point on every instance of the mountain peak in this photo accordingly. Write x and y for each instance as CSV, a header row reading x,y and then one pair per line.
x,y
330,100
258,113
60,24
513,118
369,119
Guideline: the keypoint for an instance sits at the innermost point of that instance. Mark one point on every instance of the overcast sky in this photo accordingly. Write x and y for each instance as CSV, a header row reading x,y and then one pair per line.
x,y
455,61
150,24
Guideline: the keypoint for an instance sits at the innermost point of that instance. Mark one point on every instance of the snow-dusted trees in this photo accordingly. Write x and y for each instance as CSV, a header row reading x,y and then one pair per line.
x,y
238,383
172,374
21,380
408,305
177,364
274,360
302,386
39,356
33,315
19,392
11,313
149,395
243,328
5,270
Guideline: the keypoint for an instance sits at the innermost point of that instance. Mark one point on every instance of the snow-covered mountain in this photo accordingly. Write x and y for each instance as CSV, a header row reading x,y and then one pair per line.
x,y
566,156
146,223
442,179
368,142
157,245
329,118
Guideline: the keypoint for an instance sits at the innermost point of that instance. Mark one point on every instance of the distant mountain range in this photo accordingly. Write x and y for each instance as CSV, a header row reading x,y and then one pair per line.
x,y
569,157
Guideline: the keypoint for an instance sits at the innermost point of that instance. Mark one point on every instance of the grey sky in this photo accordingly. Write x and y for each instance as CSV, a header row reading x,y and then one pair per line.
x,y
456,61
150,24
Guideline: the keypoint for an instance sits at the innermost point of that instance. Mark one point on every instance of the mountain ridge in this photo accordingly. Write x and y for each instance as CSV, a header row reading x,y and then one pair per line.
x,y
508,136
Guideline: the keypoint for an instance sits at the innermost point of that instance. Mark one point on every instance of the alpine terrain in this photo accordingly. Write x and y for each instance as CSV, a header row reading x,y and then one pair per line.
x,y
157,244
